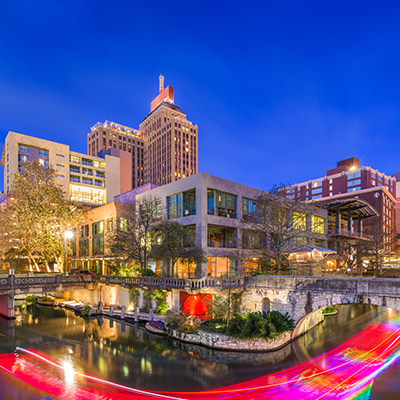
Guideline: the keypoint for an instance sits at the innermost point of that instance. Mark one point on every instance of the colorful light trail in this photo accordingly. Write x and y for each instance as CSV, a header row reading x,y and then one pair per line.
x,y
346,372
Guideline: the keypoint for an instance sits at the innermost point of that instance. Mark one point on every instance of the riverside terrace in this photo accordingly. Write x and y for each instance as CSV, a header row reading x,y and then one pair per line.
x,y
299,296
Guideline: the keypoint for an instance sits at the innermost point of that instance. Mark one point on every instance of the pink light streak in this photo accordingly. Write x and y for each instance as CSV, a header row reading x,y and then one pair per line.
x,y
345,372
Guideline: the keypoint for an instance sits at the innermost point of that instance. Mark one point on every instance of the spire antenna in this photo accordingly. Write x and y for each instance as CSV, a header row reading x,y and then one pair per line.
x,y
161,79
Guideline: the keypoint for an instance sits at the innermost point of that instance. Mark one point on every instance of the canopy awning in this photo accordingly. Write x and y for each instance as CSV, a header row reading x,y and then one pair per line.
x,y
360,209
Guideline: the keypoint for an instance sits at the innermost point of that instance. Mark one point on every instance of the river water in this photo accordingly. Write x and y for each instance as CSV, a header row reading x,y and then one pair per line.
x,y
126,354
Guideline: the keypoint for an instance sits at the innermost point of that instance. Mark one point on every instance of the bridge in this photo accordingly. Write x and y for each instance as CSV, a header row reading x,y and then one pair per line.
x,y
299,296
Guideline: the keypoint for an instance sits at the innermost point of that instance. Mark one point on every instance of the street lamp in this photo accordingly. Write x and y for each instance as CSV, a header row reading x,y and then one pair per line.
x,y
67,235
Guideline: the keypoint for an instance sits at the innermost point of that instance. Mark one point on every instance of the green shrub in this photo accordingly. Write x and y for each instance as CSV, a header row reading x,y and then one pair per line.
x,y
31,299
182,321
134,295
161,305
252,325
328,310
86,310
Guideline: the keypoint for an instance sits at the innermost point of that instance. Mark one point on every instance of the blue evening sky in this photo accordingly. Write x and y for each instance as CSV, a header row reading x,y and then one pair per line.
x,y
280,90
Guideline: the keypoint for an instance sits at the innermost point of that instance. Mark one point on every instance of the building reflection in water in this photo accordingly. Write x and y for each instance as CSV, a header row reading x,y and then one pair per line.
x,y
127,354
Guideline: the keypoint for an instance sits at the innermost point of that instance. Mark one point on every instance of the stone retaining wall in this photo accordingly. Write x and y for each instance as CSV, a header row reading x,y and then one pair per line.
x,y
224,342
184,337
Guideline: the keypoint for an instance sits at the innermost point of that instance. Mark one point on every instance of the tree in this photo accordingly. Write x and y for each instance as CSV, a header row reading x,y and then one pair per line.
x,y
171,242
274,222
383,242
35,215
130,240
227,303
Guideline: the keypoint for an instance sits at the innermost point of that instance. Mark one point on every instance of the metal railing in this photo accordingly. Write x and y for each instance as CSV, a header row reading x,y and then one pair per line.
x,y
361,235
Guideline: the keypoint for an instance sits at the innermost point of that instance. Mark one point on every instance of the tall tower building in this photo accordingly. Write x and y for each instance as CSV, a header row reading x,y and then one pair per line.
x,y
170,140
163,150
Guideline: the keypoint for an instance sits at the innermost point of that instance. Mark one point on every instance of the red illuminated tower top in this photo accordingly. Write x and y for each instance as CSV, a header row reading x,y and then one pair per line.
x,y
166,94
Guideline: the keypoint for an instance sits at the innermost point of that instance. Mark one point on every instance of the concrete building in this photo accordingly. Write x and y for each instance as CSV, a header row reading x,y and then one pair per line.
x,y
86,180
88,245
214,209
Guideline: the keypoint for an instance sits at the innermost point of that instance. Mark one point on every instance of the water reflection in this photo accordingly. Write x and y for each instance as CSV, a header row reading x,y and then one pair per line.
x,y
127,354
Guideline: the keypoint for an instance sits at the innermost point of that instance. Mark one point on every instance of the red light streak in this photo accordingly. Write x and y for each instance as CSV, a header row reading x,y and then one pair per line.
x,y
352,366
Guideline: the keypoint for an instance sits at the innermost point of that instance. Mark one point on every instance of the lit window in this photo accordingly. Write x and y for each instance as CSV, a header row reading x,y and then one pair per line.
x,y
299,221
317,224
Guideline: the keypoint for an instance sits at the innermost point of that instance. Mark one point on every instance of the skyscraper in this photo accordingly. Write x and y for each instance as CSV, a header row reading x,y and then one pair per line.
x,y
170,140
163,150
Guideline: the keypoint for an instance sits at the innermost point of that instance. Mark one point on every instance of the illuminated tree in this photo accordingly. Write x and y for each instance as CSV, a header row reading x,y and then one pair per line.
x,y
171,242
35,215
274,222
129,241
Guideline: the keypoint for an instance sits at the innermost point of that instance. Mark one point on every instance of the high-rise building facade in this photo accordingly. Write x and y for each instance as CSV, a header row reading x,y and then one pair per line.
x,y
171,140
86,180
163,150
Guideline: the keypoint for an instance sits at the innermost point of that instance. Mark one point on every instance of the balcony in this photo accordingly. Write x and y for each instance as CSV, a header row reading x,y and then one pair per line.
x,y
344,232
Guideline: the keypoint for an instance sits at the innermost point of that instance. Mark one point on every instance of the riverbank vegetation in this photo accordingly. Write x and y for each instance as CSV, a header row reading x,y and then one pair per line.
x,y
265,325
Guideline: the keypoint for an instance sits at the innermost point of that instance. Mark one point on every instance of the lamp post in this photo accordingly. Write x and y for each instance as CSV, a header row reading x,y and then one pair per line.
x,y
67,235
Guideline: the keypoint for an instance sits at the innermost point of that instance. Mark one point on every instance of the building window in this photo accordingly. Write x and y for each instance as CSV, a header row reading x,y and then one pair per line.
x,y
87,194
299,241
44,163
43,152
174,204
373,175
317,196
110,224
24,148
87,171
315,191
317,224
74,159
87,181
372,182
84,230
353,176
73,178
123,224
248,206
221,237
221,204
151,211
22,158
354,189
221,266
300,220
84,247
354,183
72,168
86,161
